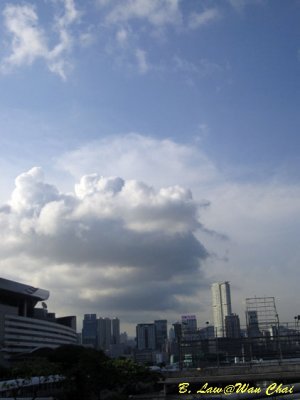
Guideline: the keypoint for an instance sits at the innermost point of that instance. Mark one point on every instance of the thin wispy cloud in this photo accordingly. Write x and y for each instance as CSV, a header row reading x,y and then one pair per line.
x,y
198,20
30,40
160,16
131,25
143,64
157,13
122,36
141,157
203,68
240,5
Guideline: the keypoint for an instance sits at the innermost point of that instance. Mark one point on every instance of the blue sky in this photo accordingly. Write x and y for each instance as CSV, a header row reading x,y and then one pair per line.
x,y
201,95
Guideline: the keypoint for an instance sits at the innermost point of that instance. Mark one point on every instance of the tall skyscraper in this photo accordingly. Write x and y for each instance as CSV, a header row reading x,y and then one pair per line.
x,y
104,334
252,323
221,305
161,334
177,330
189,327
189,323
89,329
232,326
100,333
115,331
145,335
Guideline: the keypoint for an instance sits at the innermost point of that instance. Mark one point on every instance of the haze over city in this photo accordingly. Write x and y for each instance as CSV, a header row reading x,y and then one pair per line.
x,y
148,149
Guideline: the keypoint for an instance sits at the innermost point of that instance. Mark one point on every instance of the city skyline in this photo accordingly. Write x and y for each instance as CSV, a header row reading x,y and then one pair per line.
x,y
149,149
30,333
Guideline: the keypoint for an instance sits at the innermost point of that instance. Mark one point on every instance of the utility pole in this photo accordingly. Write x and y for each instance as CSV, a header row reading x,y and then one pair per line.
x,y
278,340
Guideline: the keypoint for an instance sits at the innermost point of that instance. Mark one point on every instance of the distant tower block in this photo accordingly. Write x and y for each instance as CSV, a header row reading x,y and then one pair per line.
x,y
221,306
115,331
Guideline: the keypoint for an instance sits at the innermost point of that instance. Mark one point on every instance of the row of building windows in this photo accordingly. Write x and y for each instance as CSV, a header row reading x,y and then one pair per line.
x,y
39,332
32,321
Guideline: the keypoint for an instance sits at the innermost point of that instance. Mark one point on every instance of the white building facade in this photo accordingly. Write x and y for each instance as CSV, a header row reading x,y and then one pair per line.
x,y
221,306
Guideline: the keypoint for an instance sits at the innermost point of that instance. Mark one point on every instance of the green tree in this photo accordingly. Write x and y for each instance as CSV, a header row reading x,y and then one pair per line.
x,y
24,371
87,373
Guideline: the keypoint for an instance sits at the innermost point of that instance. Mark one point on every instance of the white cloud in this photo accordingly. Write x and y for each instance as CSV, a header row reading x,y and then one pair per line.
x,y
120,238
87,39
239,5
30,193
156,12
122,36
127,23
57,60
142,63
202,68
181,64
70,16
260,221
130,21
29,41
141,157
104,3
197,20
261,255
112,239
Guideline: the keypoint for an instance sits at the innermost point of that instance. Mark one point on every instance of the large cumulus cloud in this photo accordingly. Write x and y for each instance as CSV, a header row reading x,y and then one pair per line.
x,y
112,245
259,215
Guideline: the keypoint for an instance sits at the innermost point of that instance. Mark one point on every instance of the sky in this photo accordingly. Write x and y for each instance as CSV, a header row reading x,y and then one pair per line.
x,y
149,149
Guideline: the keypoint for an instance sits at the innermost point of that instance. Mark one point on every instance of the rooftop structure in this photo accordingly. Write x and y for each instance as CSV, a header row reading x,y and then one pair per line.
x,y
24,297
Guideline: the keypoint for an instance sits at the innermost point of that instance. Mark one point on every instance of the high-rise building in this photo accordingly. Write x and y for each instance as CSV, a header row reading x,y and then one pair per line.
x,y
207,333
104,333
232,326
145,336
100,333
189,327
115,331
189,323
177,330
221,305
161,334
252,324
89,330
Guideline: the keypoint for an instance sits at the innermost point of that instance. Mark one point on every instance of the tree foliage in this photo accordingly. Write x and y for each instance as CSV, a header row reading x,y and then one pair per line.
x,y
89,374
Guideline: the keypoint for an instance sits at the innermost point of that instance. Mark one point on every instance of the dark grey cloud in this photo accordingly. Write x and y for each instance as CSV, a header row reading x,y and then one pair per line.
x,y
109,243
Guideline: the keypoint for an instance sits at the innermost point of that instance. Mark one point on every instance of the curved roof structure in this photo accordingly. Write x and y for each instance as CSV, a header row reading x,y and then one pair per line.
x,y
19,289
